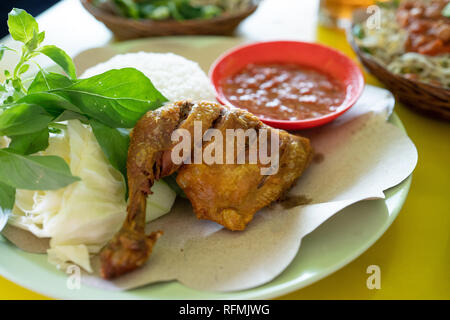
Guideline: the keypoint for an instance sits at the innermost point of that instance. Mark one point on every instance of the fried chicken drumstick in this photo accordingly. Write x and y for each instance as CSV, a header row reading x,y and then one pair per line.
x,y
229,194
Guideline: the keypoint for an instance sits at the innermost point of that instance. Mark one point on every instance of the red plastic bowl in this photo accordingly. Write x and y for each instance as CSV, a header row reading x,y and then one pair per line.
x,y
312,55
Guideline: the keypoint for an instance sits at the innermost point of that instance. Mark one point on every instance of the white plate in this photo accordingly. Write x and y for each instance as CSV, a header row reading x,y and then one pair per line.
x,y
333,245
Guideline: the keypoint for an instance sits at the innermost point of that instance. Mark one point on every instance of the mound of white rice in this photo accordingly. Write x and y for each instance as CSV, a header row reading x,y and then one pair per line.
x,y
175,77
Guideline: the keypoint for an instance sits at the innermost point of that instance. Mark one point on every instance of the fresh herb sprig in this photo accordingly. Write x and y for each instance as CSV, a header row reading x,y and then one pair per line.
x,y
110,102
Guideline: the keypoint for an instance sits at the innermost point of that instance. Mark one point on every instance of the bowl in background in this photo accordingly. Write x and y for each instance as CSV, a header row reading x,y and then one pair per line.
x,y
126,28
426,98
305,54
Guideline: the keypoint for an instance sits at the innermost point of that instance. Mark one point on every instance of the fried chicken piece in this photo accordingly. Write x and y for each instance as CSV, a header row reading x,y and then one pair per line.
x,y
229,194
149,160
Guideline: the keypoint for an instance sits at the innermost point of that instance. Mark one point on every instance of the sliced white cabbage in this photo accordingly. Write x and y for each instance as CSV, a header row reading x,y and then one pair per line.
x,y
88,212
61,256
160,202
82,217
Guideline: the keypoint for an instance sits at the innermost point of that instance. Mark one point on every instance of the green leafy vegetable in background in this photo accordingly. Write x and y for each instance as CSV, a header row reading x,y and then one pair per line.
x,y
110,102
366,50
161,9
127,8
211,11
393,4
358,31
157,13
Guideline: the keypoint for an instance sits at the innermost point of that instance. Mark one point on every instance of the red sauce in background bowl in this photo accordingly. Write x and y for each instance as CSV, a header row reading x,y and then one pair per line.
x,y
319,83
283,91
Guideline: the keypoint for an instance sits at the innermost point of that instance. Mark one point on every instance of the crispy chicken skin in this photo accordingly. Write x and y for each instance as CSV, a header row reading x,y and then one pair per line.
x,y
148,160
229,194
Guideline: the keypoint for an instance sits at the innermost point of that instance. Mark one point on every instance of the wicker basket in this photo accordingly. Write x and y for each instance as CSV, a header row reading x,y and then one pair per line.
x,y
432,100
125,28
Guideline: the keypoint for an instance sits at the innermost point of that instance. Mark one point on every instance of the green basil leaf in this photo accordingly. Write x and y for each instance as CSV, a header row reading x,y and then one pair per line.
x,y
114,143
52,103
70,115
34,172
33,43
61,58
30,143
117,98
41,37
24,68
7,199
21,25
16,83
45,81
7,195
22,119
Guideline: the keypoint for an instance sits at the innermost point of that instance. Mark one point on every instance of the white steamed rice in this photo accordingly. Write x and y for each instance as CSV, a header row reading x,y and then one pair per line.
x,y
175,77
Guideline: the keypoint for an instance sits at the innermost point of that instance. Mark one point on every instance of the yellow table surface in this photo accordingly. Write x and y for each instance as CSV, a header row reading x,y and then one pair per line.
x,y
414,253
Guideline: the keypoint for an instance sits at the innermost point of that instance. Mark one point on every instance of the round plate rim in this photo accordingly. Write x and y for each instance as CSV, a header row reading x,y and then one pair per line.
x,y
253,293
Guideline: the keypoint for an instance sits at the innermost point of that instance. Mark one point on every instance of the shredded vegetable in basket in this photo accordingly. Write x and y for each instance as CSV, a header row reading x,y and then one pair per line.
x,y
417,48
172,9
